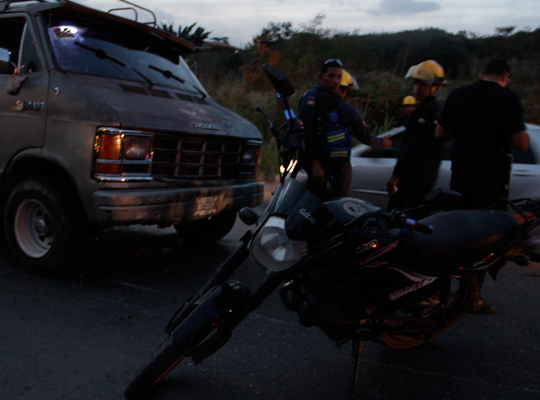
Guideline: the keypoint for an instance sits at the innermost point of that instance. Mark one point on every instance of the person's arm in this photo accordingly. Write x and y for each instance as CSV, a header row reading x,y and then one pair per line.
x,y
520,141
308,115
441,133
361,131
391,185
308,110
448,121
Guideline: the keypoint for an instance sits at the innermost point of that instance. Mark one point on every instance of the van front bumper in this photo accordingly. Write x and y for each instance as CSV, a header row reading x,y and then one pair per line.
x,y
168,206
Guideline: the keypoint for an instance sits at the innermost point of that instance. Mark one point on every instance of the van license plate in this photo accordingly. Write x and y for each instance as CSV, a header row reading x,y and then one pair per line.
x,y
206,206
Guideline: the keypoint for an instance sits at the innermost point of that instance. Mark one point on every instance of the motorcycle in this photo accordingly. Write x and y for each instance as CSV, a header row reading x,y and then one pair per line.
x,y
355,271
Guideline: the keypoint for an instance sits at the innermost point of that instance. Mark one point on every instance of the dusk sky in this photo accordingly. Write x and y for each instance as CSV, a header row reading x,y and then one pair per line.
x,y
241,20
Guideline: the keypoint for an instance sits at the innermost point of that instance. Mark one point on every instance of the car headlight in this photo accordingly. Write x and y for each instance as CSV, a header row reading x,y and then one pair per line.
x,y
273,250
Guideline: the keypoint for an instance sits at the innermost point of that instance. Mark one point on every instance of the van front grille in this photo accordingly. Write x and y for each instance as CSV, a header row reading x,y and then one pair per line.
x,y
196,157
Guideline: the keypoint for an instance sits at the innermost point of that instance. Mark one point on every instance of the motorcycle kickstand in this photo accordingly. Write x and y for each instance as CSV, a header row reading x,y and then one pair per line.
x,y
356,350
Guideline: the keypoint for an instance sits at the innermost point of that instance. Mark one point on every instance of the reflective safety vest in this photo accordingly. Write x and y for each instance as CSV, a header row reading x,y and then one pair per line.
x,y
338,139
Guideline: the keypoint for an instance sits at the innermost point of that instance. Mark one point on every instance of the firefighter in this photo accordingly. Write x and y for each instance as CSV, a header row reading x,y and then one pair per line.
x,y
419,157
408,105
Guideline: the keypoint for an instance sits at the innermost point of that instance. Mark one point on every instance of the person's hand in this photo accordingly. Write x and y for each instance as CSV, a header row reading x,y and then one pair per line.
x,y
387,141
391,185
317,171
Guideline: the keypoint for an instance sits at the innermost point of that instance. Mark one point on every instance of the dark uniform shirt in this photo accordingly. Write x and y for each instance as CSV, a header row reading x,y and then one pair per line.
x,y
314,108
402,121
419,157
482,118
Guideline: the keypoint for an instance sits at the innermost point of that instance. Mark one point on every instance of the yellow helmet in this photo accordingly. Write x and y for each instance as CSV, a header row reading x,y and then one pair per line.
x,y
429,71
348,80
409,100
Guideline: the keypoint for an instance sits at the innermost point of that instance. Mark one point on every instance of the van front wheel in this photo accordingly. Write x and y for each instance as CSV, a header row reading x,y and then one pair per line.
x,y
42,225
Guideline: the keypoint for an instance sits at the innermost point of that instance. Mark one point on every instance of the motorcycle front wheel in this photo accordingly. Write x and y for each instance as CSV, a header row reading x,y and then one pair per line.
x,y
195,336
462,289
167,356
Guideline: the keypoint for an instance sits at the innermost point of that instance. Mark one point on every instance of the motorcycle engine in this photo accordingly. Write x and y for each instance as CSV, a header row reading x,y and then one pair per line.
x,y
342,304
324,301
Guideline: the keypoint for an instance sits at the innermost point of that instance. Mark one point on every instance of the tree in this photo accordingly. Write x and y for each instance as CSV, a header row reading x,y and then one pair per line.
x,y
504,30
253,72
276,33
314,26
197,38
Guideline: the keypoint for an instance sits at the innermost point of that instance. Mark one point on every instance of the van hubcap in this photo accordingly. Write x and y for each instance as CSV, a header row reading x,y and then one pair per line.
x,y
33,228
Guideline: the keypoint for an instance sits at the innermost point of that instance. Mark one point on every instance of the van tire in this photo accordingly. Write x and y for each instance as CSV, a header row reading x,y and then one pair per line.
x,y
43,226
207,230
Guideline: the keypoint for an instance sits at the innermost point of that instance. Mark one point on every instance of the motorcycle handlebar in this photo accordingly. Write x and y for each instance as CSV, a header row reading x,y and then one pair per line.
x,y
393,221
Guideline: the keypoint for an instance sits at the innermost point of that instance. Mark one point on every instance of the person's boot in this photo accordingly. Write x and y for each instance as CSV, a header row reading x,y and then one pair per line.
x,y
479,306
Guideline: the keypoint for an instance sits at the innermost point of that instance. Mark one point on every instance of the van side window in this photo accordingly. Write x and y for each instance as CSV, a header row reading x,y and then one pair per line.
x,y
11,32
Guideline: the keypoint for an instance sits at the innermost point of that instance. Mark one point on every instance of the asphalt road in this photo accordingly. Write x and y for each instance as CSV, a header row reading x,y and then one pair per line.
x,y
81,337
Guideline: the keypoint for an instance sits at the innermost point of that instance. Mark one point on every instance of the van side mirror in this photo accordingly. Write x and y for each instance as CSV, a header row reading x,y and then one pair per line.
x,y
279,81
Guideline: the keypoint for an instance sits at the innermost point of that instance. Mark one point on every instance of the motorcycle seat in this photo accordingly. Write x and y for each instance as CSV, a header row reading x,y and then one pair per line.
x,y
460,236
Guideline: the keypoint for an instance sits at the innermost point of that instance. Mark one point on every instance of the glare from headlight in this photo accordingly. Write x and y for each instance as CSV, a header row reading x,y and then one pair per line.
x,y
274,250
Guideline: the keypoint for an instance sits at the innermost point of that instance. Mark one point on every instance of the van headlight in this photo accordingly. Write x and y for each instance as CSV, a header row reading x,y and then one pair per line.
x,y
251,157
273,249
123,154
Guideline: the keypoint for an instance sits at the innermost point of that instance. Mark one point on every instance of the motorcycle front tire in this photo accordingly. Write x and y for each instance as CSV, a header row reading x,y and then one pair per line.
x,y
190,334
166,357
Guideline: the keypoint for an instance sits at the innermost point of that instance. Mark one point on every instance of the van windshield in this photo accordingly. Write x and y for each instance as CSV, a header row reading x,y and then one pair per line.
x,y
103,48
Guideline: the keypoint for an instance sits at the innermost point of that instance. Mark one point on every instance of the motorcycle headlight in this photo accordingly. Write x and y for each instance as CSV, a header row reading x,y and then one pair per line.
x,y
272,248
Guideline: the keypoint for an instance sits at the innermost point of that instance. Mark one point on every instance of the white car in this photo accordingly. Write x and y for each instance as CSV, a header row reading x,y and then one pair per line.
x,y
372,169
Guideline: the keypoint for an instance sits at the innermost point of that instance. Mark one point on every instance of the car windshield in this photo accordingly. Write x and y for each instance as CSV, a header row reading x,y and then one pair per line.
x,y
102,48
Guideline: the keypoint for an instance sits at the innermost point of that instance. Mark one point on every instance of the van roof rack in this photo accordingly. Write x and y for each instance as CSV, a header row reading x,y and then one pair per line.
x,y
134,9
4,4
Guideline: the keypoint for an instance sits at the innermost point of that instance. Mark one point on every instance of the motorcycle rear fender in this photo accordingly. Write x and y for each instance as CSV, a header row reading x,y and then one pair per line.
x,y
211,309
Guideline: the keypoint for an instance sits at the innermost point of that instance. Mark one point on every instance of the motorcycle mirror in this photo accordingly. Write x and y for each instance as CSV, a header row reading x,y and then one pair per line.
x,y
440,199
280,82
248,216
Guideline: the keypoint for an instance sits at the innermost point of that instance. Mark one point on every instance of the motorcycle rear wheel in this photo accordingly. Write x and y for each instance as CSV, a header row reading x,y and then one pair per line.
x,y
462,290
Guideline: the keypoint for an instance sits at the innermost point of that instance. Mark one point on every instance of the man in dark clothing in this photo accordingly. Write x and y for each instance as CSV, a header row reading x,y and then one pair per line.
x,y
420,154
485,120
329,124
